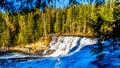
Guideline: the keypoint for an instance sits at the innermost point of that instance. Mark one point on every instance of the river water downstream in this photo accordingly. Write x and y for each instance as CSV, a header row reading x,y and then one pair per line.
x,y
68,52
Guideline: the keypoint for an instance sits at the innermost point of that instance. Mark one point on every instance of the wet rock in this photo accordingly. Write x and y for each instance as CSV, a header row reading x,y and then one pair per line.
x,y
3,50
38,52
49,52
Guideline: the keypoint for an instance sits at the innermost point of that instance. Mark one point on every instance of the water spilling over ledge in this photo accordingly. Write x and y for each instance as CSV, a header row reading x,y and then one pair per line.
x,y
69,52
61,45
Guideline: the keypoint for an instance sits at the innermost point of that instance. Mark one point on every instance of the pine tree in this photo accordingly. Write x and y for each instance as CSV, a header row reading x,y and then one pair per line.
x,y
80,24
52,21
38,30
30,25
75,19
4,32
116,16
89,13
68,20
5,38
21,37
63,21
85,20
57,25
44,24
47,20
96,21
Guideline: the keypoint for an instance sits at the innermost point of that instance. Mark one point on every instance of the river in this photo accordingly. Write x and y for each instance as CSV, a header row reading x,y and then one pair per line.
x,y
68,52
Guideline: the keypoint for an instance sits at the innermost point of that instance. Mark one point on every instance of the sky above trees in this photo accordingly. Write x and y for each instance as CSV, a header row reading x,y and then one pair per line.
x,y
22,28
28,5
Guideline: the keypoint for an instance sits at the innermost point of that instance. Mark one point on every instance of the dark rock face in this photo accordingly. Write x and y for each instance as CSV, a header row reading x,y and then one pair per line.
x,y
3,50
38,52
50,52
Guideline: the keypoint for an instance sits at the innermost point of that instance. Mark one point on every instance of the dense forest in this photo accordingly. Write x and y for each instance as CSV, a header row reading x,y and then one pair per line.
x,y
101,20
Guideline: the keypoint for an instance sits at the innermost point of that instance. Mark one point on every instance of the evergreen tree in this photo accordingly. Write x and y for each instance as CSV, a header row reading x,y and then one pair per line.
x,y
116,16
44,24
75,19
52,20
4,32
89,13
47,20
21,37
80,24
30,25
22,28
57,25
38,28
63,21
68,24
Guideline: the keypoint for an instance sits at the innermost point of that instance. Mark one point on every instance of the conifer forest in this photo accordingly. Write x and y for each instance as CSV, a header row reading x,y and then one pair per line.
x,y
100,20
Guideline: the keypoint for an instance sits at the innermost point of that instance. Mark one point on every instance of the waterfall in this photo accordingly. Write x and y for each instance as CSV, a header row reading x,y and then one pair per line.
x,y
68,52
62,45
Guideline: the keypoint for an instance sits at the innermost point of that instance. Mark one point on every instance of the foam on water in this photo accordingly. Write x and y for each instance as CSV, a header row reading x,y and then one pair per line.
x,y
63,44
74,52
13,55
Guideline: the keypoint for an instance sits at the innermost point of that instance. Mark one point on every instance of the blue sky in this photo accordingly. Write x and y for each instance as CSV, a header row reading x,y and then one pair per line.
x,y
15,6
66,2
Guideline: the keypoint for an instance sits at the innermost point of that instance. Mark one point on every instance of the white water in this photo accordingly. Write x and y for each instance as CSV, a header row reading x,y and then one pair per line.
x,y
13,55
63,44
76,53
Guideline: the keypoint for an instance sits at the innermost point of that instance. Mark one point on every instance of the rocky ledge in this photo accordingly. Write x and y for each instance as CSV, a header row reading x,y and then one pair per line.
x,y
34,48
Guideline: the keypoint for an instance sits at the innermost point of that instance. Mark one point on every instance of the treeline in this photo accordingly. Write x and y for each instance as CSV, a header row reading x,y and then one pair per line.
x,y
21,28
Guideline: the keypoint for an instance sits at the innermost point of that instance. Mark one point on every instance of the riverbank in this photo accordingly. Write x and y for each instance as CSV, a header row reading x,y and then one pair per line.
x,y
33,48
86,52
37,47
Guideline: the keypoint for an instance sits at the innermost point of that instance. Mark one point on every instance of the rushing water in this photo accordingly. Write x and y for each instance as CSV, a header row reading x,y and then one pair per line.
x,y
68,52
